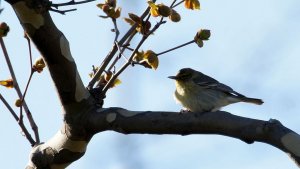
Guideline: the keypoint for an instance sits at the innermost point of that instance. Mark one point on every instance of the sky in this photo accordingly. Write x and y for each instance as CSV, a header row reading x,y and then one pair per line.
x,y
254,48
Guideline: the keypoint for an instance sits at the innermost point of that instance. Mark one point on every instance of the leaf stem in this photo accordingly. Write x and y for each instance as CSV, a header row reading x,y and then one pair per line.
x,y
178,4
177,47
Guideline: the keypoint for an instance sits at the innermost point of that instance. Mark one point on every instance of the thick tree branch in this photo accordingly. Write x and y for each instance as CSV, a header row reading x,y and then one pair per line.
x,y
248,130
54,47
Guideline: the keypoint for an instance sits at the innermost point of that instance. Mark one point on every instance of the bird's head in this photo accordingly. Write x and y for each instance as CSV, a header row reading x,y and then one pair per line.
x,y
184,75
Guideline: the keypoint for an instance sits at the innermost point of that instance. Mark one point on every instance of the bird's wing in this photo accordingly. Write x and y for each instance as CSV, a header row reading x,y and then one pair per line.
x,y
210,83
215,85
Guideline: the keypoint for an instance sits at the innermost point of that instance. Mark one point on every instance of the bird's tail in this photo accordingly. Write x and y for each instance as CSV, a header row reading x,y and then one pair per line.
x,y
251,100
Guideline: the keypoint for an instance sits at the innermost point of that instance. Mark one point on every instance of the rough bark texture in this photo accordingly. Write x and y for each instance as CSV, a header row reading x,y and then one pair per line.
x,y
83,118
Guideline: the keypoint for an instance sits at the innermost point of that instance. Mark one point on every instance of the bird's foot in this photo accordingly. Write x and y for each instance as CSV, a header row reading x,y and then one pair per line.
x,y
184,111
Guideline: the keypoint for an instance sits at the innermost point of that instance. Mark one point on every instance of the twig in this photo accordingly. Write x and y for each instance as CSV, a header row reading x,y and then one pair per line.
x,y
22,126
94,69
31,67
63,12
178,4
29,48
120,52
115,76
27,85
129,48
72,2
171,6
177,47
116,29
113,51
9,108
17,88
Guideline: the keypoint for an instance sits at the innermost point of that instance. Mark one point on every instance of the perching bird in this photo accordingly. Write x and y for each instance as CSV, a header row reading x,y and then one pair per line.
x,y
198,92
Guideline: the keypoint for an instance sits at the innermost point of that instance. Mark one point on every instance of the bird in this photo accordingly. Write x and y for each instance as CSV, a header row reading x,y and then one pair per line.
x,y
197,92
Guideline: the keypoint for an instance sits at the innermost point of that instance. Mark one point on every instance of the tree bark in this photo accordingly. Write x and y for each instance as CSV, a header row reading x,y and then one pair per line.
x,y
83,117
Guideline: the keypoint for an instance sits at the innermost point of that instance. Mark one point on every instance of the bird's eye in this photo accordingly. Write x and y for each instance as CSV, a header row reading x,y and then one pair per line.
x,y
185,76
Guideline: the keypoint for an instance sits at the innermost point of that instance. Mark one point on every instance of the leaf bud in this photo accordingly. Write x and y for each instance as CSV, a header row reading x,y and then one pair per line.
x,y
4,29
174,17
164,10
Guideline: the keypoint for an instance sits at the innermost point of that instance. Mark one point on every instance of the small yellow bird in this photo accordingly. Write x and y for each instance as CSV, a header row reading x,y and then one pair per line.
x,y
198,92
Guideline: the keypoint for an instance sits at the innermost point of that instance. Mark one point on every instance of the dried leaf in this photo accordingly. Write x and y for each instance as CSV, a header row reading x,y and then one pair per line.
x,y
108,75
7,83
100,5
192,4
116,83
39,65
130,21
164,10
199,42
18,103
174,17
153,9
138,56
117,13
150,60
135,18
203,34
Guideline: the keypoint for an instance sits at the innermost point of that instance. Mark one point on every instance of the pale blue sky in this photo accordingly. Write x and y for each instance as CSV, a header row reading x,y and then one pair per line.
x,y
254,48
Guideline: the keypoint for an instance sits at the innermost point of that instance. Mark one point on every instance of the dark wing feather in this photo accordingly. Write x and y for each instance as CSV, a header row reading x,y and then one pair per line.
x,y
210,83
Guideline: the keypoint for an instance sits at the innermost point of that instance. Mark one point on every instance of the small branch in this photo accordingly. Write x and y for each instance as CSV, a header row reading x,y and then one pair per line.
x,y
116,29
9,108
115,76
9,64
31,67
171,6
178,4
129,48
113,51
17,88
122,50
22,126
27,85
26,133
63,12
29,49
72,2
177,47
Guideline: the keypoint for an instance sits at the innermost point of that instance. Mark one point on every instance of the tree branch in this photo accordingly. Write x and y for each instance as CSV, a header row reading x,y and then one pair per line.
x,y
21,124
18,90
83,119
271,132
55,50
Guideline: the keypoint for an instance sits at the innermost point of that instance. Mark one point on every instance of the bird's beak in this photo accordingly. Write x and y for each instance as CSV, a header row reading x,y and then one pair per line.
x,y
173,77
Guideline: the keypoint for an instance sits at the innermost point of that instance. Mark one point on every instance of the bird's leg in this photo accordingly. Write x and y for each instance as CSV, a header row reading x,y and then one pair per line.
x,y
184,110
